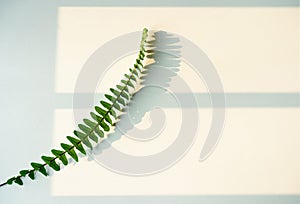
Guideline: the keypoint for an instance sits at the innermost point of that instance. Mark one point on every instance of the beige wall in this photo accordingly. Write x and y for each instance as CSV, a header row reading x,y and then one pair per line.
x,y
253,49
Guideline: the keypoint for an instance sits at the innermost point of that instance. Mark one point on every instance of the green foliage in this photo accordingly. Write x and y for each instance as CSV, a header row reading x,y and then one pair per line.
x,y
51,162
10,181
31,174
24,172
93,128
39,167
19,181
70,150
60,155
77,144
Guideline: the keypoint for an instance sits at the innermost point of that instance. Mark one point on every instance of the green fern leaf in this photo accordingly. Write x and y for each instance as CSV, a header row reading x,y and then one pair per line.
x,y
115,92
121,101
103,113
31,175
83,138
124,82
139,62
109,97
90,123
117,106
124,95
10,180
113,113
138,68
19,181
70,150
39,167
124,88
77,144
106,105
51,162
100,111
88,131
60,155
96,127
104,126
130,84
135,73
23,172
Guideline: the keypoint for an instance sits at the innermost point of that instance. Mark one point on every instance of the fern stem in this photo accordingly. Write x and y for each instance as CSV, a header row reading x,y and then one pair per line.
x,y
142,49
107,112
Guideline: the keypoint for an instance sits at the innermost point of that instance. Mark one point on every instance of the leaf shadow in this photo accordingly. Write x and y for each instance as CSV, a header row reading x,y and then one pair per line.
x,y
165,57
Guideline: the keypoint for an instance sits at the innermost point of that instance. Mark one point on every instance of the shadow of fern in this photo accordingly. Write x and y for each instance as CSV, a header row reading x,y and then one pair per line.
x,y
164,56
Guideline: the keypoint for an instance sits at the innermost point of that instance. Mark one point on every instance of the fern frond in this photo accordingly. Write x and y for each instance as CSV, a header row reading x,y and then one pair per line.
x,y
101,122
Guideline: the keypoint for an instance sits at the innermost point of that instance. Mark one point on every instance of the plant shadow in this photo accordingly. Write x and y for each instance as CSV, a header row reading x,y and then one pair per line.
x,y
163,52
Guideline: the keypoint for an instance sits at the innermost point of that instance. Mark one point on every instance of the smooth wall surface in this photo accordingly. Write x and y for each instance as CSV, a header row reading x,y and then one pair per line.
x,y
255,49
